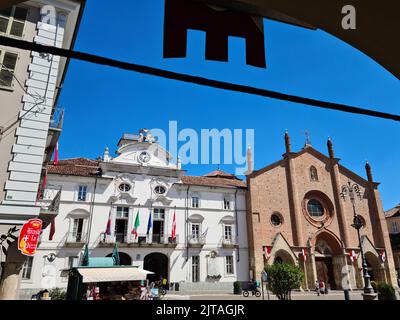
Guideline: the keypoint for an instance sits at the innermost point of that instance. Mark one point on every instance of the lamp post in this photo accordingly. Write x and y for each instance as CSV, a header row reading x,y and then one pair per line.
x,y
353,191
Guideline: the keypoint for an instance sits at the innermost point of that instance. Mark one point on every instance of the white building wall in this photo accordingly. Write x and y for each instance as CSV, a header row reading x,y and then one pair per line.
x,y
211,209
37,104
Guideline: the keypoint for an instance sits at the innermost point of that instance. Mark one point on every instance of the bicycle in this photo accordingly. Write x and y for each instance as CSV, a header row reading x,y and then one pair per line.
x,y
161,289
255,292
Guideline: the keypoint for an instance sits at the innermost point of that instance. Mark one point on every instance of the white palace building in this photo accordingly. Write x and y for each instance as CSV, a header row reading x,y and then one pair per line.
x,y
210,250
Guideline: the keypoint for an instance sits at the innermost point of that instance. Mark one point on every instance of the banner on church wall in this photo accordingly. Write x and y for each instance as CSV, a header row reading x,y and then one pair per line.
x,y
29,237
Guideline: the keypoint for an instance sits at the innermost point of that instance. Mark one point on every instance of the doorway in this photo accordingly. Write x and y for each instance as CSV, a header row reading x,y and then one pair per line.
x,y
157,263
78,229
158,225
158,231
324,266
121,229
124,258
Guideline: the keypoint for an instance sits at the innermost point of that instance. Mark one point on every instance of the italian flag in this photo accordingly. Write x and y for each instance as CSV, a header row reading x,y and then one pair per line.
x,y
136,226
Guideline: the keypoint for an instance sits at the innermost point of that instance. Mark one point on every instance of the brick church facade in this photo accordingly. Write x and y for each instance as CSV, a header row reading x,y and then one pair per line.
x,y
298,212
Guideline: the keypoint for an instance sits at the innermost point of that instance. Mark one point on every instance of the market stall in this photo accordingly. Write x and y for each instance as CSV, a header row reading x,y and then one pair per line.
x,y
103,278
105,283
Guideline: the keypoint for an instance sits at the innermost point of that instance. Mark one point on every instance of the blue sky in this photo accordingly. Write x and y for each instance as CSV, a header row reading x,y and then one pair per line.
x,y
102,103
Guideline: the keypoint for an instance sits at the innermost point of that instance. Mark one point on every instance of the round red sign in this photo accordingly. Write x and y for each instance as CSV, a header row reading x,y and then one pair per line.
x,y
29,237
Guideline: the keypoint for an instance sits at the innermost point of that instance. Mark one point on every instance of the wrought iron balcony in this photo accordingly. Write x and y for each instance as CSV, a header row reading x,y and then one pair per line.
x,y
75,238
55,128
196,240
142,240
49,203
229,241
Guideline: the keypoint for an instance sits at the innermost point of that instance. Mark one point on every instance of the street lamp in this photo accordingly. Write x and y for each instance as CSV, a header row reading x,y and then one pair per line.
x,y
353,191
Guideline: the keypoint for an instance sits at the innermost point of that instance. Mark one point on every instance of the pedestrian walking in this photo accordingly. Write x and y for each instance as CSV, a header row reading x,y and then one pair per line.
x,y
143,292
322,287
317,287
165,284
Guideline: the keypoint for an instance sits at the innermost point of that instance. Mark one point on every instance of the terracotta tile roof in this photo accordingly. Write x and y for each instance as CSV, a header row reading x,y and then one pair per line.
x,y
213,182
75,167
394,212
221,174
86,167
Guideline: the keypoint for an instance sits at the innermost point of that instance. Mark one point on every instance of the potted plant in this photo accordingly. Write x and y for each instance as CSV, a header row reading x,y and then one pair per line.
x,y
386,292
237,287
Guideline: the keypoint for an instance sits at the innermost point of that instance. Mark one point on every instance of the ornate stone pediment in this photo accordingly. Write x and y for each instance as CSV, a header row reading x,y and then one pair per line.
x,y
124,187
160,200
122,197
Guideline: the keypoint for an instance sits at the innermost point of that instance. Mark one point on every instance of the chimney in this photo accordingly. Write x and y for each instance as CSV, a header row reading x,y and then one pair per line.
x,y
369,172
287,142
250,164
330,149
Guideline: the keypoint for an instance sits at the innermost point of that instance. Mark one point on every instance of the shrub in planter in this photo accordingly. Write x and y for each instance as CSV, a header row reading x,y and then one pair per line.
x,y
237,287
58,294
385,291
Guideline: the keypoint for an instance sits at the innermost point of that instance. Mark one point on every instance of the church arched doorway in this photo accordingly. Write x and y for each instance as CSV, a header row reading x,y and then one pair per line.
x,y
375,269
327,249
157,263
124,258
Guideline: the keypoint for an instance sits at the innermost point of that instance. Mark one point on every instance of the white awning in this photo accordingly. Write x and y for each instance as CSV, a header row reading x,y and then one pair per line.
x,y
113,274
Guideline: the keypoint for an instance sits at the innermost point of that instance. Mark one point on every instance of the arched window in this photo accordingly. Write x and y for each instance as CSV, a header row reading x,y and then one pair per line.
x,y
313,173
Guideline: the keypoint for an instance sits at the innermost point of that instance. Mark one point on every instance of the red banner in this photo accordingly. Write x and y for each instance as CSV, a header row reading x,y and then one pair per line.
x,y
29,237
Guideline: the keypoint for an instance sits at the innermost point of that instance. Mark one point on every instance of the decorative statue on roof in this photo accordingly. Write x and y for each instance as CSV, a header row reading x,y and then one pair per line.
x,y
146,136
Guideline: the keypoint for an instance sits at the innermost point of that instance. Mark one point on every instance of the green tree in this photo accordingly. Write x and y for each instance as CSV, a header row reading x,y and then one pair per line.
x,y
283,278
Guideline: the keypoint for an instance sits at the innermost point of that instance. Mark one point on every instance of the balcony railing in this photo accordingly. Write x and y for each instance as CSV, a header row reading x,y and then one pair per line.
x,y
49,199
121,237
229,241
141,239
76,237
57,118
197,240
49,205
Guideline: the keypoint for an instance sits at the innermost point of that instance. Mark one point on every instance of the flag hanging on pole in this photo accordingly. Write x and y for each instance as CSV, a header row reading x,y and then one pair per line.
x,y
52,228
267,252
136,226
382,255
42,187
115,255
174,227
304,253
108,229
149,224
56,155
85,257
353,256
